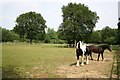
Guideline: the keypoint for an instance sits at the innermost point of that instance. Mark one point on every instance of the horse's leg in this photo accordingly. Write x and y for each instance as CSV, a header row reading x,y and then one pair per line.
x,y
102,56
91,55
77,60
87,59
98,56
82,59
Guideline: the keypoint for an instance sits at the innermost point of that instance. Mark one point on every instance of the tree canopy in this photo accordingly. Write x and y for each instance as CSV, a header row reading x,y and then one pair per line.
x,y
8,35
78,22
95,37
51,36
109,35
30,25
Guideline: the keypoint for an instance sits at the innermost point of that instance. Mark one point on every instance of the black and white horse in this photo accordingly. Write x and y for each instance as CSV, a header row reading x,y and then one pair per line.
x,y
82,50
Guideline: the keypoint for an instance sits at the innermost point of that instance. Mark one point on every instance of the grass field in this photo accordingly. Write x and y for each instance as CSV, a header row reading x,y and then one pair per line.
x,y
42,61
34,60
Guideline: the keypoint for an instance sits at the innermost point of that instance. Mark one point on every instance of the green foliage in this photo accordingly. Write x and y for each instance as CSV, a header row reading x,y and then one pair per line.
x,y
109,35
96,37
30,25
78,22
106,35
51,36
8,35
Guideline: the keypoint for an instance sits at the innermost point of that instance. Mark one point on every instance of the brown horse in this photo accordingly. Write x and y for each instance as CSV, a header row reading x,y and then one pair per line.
x,y
99,49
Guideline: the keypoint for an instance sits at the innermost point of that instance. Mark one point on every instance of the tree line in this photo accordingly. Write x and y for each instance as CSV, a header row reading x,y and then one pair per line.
x,y
106,35
78,24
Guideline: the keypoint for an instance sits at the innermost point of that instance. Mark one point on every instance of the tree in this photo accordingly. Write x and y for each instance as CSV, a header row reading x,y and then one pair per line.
x,y
96,37
30,25
8,35
109,35
78,22
51,36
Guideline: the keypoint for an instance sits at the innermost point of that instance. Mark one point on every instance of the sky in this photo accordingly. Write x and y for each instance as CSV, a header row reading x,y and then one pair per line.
x,y
51,11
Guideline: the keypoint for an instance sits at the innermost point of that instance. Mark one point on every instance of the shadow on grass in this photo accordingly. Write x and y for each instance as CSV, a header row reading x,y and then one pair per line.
x,y
73,64
10,71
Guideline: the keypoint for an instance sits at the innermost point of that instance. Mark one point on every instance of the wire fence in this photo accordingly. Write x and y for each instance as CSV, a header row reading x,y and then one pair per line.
x,y
40,44
65,45
116,66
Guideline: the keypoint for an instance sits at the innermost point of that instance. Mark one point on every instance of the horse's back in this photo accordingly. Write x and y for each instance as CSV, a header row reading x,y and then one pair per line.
x,y
96,49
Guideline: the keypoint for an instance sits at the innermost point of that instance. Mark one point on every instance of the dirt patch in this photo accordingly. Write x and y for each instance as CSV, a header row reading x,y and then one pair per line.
x,y
95,69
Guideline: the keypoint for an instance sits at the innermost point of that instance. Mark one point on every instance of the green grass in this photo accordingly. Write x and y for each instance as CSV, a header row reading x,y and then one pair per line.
x,y
36,60
20,60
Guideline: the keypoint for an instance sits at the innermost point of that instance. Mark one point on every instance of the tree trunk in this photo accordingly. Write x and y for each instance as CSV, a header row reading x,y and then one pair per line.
x,y
30,41
75,43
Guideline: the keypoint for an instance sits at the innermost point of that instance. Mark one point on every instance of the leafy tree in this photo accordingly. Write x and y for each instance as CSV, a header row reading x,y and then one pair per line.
x,y
96,37
108,35
78,22
30,25
51,36
8,35
111,40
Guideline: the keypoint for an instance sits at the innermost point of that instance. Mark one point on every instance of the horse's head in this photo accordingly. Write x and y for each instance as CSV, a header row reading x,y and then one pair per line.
x,y
80,44
109,48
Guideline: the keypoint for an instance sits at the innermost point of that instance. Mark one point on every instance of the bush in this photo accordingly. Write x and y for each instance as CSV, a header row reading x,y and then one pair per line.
x,y
9,36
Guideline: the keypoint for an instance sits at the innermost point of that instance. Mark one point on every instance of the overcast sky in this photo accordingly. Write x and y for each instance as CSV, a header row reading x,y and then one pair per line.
x,y
107,10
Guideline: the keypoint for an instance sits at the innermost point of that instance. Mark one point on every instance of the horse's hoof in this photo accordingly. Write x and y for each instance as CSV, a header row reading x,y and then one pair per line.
x,y
82,64
77,65
86,63
91,59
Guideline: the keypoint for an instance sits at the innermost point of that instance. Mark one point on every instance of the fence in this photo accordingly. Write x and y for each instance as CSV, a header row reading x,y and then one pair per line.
x,y
116,65
40,44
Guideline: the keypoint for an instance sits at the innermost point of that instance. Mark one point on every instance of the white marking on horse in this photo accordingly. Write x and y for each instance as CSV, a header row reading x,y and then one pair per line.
x,y
83,48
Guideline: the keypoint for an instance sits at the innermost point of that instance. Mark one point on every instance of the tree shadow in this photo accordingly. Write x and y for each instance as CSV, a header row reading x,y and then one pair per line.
x,y
10,71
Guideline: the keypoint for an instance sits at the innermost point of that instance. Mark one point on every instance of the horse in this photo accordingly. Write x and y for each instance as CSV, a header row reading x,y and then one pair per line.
x,y
99,49
82,50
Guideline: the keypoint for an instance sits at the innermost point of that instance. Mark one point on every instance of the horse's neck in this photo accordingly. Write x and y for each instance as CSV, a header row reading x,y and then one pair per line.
x,y
77,46
82,46
104,48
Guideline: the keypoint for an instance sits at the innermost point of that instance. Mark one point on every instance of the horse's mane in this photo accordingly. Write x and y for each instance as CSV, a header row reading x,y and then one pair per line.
x,y
104,46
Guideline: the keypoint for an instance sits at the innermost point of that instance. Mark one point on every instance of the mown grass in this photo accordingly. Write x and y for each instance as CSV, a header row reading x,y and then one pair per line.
x,y
20,60
36,60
